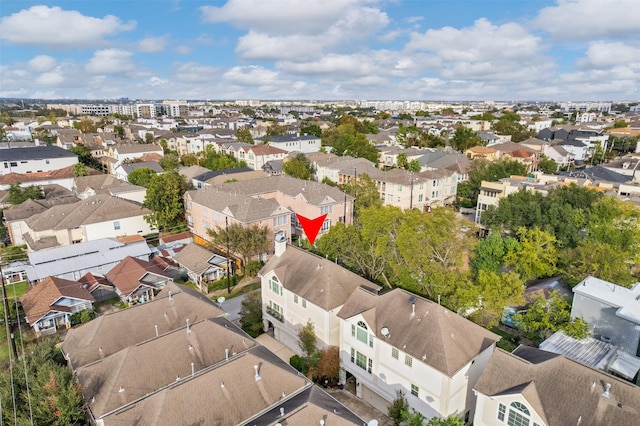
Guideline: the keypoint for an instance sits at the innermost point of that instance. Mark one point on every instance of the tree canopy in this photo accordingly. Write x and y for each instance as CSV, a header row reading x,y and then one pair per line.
x,y
345,139
164,199
141,177
298,167
18,195
213,160
246,241
464,138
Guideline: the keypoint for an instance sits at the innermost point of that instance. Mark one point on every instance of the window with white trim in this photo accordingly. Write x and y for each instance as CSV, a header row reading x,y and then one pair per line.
x,y
326,225
394,353
275,286
502,409
304,303
116,225
295,298
280,220
519,415
326,209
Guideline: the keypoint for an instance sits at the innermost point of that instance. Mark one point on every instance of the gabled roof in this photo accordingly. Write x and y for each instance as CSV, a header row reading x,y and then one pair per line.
x,y
64,173
136,148
318,280
434,335
169,310
129,167
96,209
264,149
35,153
564,391
227,394
195,258
126,275
91,282
172,354
40,299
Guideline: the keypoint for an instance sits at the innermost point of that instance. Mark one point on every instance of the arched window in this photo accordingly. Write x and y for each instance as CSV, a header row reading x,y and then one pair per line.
x,y
518,415
362,324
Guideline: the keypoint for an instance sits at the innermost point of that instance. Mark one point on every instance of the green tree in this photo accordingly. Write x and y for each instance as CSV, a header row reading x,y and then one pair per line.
x,y
402,160
492,293
247,241
465,138
243,134
164,199
170,162
535,255
55,397
307,341
414,166
365,191
188,160
18,195
276,129
413,418
148,138
251,314
85,157
312,129
213,160
142,176
508,124
346,140
86,126
80,169
398,407
119,131
449,421
489,253
545,316
298,167
547,165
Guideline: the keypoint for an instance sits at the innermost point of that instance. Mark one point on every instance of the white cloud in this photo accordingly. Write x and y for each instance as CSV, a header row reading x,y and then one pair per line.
x,y
42,63
58,28
152,44
590,19
603,55
252,75
283,17
194,73
110,61
483,51
184,49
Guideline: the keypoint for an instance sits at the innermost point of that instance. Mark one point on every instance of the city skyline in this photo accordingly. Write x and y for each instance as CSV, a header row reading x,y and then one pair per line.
x,y
350,49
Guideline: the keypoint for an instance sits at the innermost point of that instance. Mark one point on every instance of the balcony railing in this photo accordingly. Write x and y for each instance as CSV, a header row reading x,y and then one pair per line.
x,y
277,315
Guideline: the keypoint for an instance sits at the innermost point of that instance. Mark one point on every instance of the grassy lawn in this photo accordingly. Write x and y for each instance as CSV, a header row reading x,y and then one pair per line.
x,y
509,341
17,289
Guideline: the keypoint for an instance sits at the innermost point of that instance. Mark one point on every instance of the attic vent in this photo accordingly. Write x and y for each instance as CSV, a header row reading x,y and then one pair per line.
x,y
121,389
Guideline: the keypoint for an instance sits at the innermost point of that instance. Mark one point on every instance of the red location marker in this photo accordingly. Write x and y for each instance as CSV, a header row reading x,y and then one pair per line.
x,y
311,227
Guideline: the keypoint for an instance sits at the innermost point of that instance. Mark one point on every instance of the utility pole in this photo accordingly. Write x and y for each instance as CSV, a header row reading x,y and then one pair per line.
x,y
411,191
226,222
7,317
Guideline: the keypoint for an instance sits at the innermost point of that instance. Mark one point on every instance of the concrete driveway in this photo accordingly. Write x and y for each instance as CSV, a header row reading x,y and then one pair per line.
x,y
276,347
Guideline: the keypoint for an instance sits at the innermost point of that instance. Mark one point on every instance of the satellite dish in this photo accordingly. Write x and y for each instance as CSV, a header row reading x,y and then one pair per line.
x,y
220,300
373,422
280,237
385,332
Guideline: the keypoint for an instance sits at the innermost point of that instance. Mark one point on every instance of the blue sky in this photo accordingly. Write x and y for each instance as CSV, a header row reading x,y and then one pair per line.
x,y
321,49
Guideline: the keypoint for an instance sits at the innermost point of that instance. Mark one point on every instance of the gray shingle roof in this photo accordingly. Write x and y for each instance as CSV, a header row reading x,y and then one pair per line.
x,y
35,153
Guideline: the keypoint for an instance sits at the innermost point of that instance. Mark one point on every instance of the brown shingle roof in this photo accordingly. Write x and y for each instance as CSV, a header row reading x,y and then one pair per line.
x,y
115,331
559,389
63,173
437,336
226,395
127,274
40,299
318,280
172,354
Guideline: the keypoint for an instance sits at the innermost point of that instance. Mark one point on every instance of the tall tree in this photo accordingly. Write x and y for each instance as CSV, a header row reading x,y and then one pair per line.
x,y
465,138
80,169
365,191
312,129
243,134
535,254
307,340
18,195
492,293
298,167
170,162
85,157
142,176
164,199
251,313
246,241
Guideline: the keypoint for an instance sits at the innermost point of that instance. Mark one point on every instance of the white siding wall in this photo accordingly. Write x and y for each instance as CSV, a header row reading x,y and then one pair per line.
x,y
34,166
128,226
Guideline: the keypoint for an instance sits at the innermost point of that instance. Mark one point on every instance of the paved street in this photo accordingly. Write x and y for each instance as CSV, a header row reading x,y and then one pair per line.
x,y
232,307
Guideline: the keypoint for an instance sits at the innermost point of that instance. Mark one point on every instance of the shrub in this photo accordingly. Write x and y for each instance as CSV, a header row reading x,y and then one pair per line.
x,y
299,364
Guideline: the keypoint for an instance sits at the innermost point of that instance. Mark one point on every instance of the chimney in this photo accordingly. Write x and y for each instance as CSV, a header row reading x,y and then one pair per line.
x,y
193,370
170,295
280,243
188,328
156,326
226,354
281,411
413,309
257,377
607,387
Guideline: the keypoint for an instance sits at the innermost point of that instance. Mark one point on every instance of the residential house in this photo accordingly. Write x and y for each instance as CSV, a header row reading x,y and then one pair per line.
x,y
122,171
532,387
73,261
290,143
256,156
98,286
66,138
15,217
297,287
137,280
49,304
130,152
490,195
612,312
115,331
271,201
101,216
201,264
63,177
88,186
36,159
579,150
519,153
397,341
483,152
